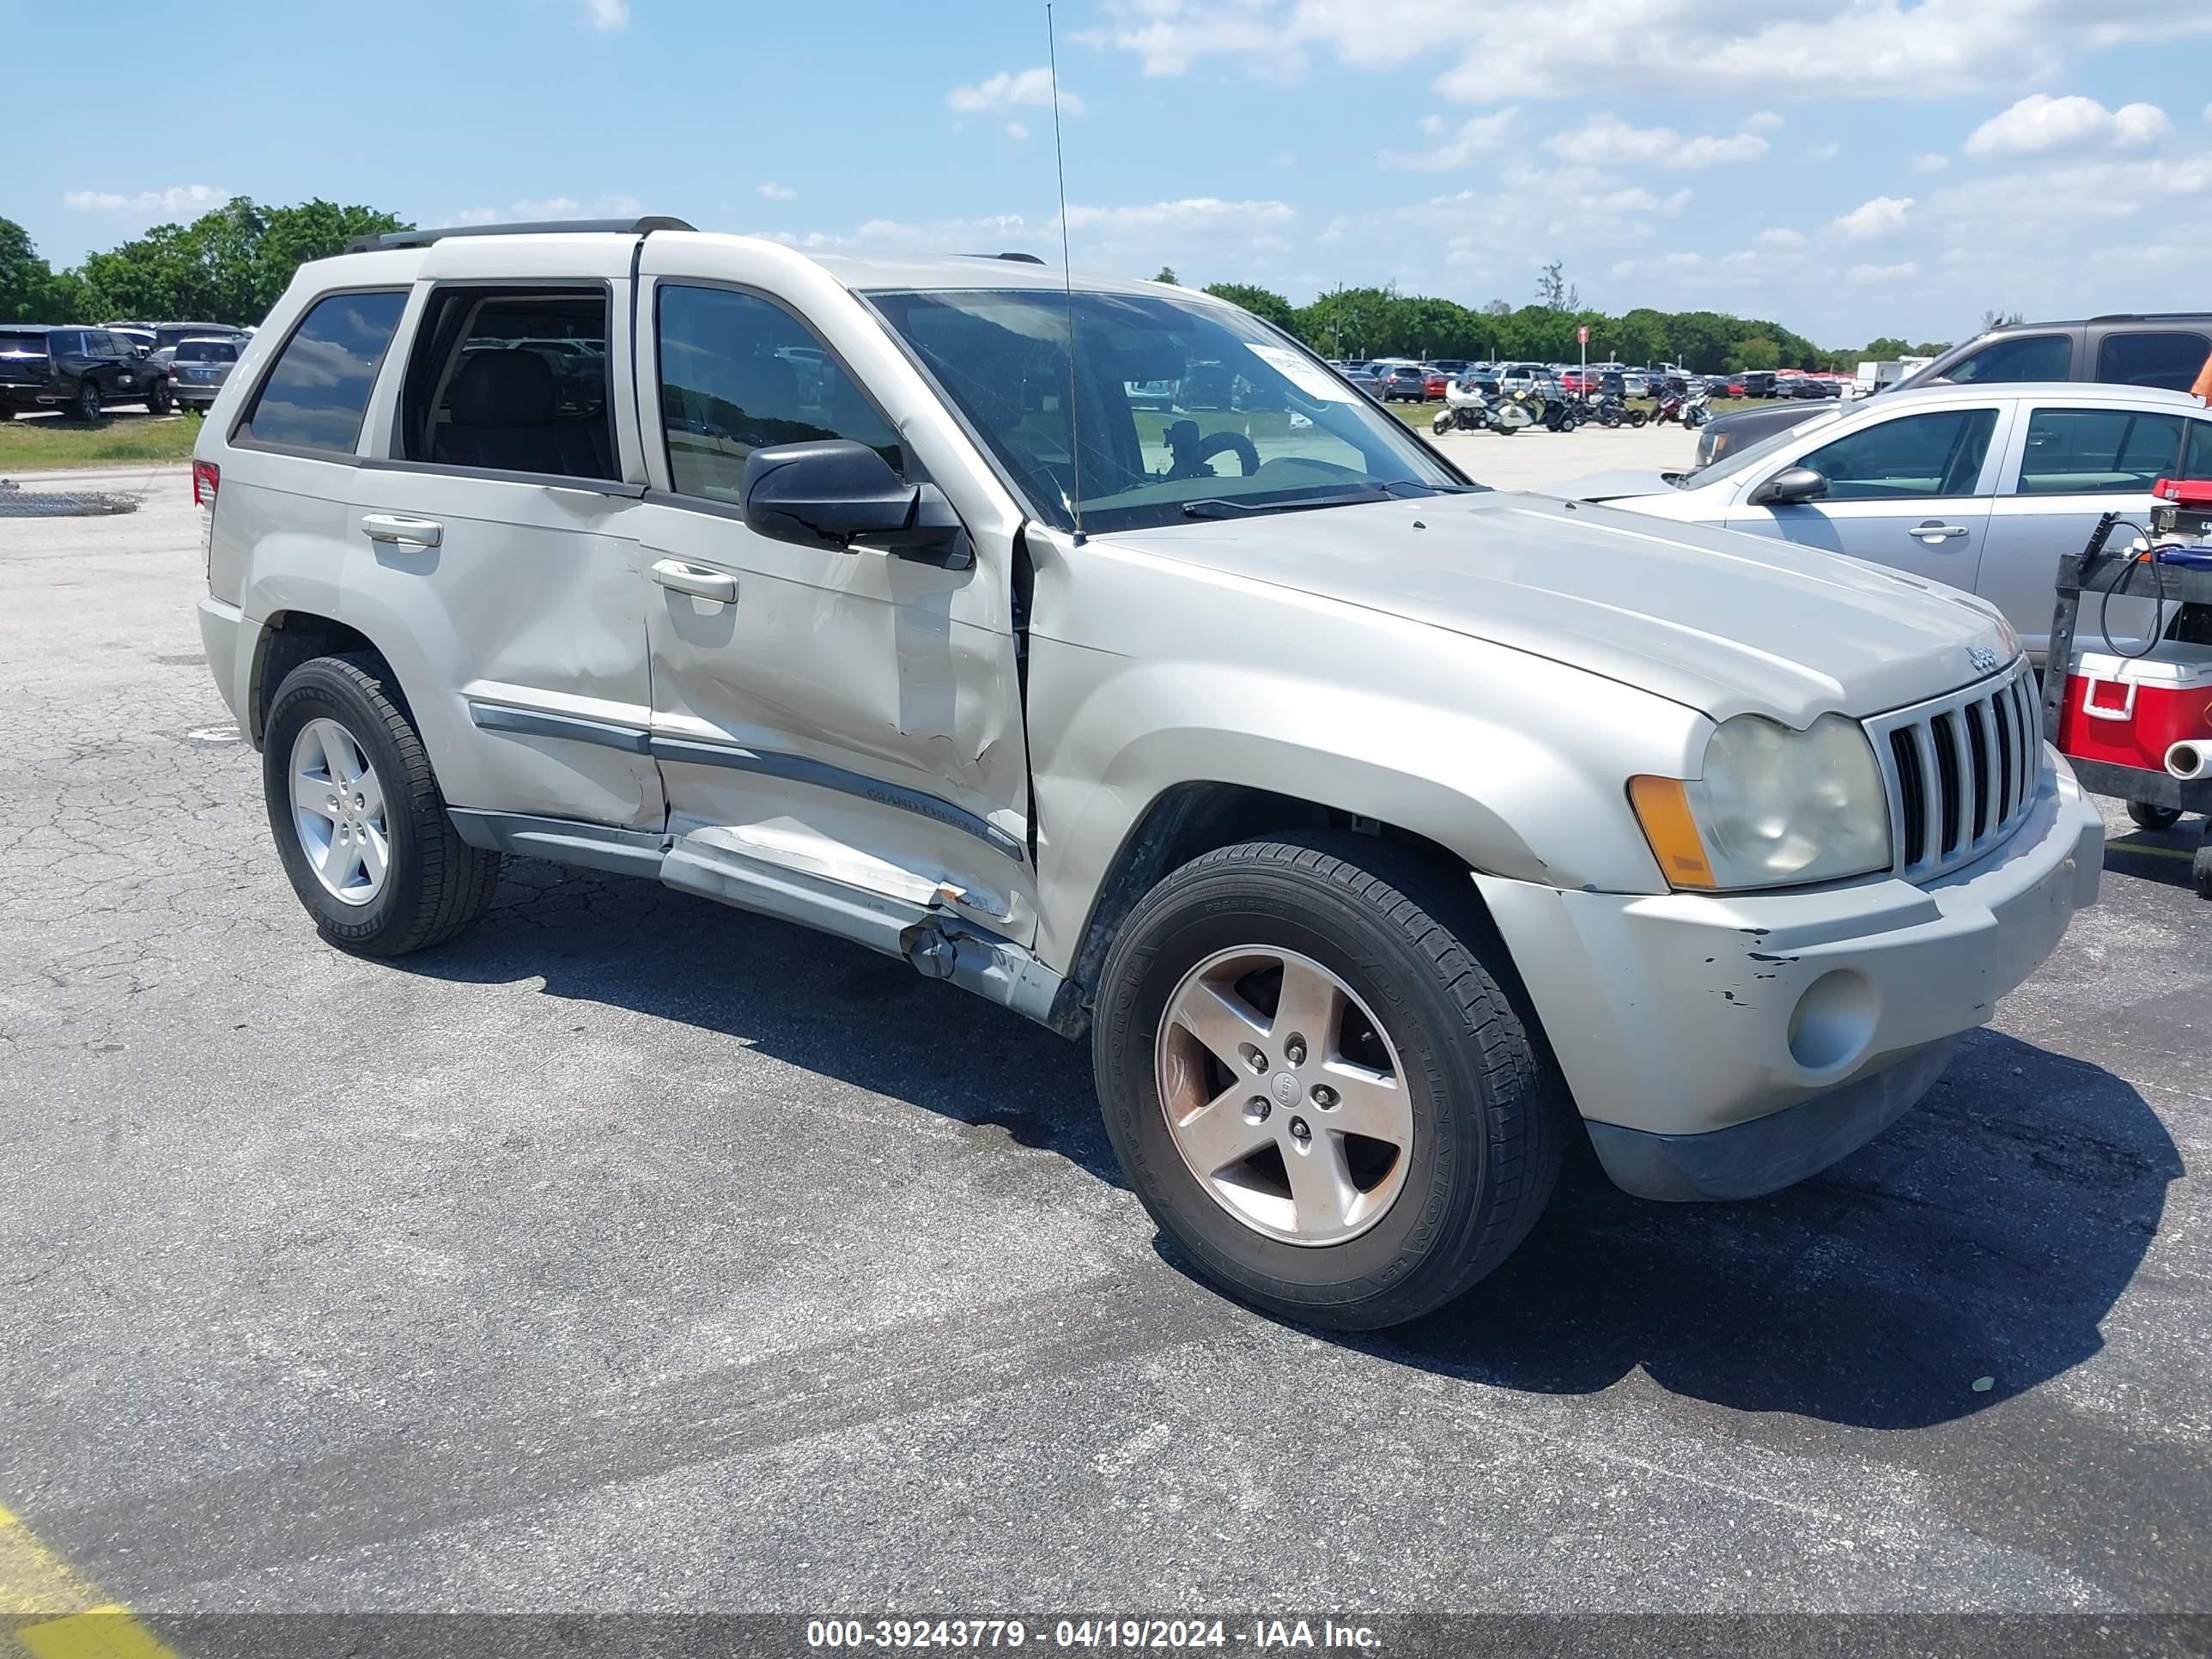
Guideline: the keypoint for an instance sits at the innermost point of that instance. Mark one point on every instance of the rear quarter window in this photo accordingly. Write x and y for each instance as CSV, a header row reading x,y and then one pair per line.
x,y
22,346
317,391
2169,360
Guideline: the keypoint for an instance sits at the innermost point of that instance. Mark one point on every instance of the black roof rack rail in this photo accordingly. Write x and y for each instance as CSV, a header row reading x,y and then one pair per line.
x,y
1018,259
391,239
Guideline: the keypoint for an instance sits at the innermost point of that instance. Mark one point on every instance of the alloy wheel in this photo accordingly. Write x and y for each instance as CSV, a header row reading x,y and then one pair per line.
x,y
1284,1095
337,810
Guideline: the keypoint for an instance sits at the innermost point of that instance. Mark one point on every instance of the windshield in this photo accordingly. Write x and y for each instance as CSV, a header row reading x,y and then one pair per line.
x,y
1735,459
1252,424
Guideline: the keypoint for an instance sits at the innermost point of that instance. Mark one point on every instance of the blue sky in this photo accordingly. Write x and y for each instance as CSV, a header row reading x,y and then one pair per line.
x,y
1848,168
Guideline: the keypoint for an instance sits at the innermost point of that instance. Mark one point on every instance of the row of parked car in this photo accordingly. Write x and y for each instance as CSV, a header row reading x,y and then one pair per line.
x,y
78,370
1401,380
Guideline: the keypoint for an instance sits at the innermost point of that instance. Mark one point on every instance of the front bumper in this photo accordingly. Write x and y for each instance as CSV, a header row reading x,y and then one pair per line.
x,y
1721,1046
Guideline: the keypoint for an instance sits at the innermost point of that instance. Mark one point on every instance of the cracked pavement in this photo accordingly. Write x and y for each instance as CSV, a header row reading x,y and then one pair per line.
x,y
633,1253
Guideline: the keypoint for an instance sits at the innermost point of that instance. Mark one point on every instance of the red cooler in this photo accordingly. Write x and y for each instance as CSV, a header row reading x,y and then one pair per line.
x,y
2130,710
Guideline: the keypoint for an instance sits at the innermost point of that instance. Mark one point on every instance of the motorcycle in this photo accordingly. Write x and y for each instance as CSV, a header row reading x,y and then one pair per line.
x,y
1692,410
1613,410
1465,409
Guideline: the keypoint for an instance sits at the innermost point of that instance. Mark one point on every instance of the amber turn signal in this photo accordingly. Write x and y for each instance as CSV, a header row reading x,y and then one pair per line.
x,y
1662,807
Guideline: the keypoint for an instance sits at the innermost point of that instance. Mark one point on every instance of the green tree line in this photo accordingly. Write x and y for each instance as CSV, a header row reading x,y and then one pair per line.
x,y
1380,322
227,266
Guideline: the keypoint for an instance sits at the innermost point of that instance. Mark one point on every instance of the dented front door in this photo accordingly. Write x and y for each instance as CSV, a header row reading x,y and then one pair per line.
x,y
849,715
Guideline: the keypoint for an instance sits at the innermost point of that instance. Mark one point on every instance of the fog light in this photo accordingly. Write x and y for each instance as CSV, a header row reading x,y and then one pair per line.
x,y
1833,1021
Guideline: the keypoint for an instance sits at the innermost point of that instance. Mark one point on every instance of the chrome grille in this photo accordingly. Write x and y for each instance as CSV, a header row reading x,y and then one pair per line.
x,y
1961,771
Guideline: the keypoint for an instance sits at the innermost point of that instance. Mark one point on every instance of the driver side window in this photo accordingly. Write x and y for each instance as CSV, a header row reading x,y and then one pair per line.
x,y
1935,454
739,373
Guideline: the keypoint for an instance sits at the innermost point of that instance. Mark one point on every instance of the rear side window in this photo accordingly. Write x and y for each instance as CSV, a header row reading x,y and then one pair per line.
x,y
738,372
316,393
16,344
512,380
2022,357
2086,452
2168,360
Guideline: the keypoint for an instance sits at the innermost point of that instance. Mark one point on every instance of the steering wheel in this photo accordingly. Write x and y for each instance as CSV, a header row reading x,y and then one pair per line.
x,y
1192,452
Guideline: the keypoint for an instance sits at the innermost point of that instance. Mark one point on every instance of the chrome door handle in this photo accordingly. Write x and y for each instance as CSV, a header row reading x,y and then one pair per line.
x,y
391,528
681,578
1933,532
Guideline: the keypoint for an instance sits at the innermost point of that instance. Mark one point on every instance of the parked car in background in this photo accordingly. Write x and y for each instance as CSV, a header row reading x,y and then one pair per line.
x,y
198,368
1368,383
1402,834
1450,368
77,371
1405,383
1981,487
1758,382
1434,382
2164,349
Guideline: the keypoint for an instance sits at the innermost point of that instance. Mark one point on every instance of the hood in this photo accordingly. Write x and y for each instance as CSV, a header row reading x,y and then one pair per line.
x,y
1725,623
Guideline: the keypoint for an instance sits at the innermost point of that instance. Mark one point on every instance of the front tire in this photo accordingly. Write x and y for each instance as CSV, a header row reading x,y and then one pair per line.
x,y
358,817
1317,1084
2149,815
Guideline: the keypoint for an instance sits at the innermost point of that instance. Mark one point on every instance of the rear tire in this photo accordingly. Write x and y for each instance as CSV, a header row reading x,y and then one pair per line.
x,y
2149,815
2200,868
85,406
157,399
424,883
1484,1123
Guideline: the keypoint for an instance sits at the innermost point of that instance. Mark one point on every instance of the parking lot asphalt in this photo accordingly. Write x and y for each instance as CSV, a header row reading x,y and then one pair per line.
x,y
635,1253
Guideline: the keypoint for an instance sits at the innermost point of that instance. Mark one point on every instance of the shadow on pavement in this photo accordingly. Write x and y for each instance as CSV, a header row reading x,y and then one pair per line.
x,y
1984,1234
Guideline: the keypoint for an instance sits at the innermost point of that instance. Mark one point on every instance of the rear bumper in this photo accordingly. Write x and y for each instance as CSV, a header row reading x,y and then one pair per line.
x,y
199,393
1725,1046
221,627
46,396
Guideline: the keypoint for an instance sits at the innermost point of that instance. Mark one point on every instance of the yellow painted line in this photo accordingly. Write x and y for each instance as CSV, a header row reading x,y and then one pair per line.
x,y
2145,847
48,1611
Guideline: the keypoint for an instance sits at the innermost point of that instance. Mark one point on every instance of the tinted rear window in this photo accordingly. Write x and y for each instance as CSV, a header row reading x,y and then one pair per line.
x,y
207,351
2172,361
318,389
17,344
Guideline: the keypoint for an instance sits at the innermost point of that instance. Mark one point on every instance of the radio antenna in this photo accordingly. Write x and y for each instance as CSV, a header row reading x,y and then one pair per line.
x,y
1067,278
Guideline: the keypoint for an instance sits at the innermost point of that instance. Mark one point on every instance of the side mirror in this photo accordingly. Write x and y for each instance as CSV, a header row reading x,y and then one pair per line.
x,y
832,492
1788,488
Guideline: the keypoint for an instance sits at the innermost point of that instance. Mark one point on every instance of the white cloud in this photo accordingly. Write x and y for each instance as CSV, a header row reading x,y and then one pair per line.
x,y
1017,131
535,210
1827,152
1880,217
607,13
1606,139
2040,122
1868,276
195,199
1200,214
1930,162
1010,89
1781,236
775,192
1827,48
1478,136
1764,120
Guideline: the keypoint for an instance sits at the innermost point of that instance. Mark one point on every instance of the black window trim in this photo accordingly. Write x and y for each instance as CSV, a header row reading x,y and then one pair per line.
x,y
341,458
912,471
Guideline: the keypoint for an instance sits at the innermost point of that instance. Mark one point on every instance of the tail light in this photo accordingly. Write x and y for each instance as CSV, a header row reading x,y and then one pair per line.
x,y
207,476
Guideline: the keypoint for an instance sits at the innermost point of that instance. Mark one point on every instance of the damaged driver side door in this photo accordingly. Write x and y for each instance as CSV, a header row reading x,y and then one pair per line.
x,y
843,716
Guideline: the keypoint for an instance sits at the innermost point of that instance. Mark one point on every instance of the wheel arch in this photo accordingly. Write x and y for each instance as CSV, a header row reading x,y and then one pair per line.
x,y
285,639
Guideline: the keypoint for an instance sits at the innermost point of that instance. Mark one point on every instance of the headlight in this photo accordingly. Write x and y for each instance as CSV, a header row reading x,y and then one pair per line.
x,y
1773,808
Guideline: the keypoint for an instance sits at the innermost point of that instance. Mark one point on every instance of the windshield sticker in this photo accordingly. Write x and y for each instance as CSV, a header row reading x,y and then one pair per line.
x,y
1303,373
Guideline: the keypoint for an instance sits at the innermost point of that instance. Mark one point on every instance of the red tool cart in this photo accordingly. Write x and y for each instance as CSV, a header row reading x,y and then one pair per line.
x,y
2140,727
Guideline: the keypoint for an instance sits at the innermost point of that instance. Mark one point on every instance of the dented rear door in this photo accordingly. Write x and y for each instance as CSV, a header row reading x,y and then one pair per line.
x,y
850,715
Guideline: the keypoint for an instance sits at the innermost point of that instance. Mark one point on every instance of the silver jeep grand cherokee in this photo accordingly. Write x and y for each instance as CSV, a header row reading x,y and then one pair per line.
x,y
1378,829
